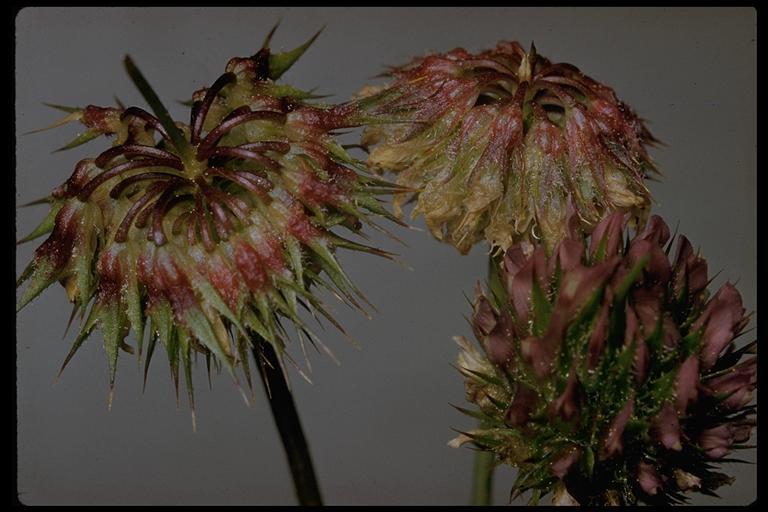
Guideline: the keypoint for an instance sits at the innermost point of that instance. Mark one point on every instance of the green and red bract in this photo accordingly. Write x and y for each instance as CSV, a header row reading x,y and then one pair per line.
x,y
608,375
212,231
497,145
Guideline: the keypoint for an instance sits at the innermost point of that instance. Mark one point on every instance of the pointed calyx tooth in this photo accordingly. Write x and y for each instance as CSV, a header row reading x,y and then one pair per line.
x,y
598,355
524,73
505,145
213,232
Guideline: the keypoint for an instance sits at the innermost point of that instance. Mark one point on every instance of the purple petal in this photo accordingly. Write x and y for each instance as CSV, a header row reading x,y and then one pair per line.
x,y
483,318
499,344
567,404
648,478
570,253
641,361
689,267
514,259
540,352
724,317
656,231
563,464
599,335
687,383
658,268
521,407
668,427
613,443
580,283
737,384
647,305
610,227
716,442
520,290
671,335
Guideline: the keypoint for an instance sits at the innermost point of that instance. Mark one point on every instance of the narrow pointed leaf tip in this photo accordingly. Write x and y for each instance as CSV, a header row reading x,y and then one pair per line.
x,y
149,94
279,63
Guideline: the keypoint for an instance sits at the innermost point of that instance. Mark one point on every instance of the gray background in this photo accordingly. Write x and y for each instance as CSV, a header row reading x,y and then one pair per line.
x,y
378,424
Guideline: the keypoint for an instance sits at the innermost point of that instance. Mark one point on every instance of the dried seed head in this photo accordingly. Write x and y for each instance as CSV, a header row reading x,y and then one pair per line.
x,y
214,231
501,144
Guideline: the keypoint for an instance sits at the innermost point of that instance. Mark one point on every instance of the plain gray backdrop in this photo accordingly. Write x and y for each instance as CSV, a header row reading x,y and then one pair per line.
x,y
378,424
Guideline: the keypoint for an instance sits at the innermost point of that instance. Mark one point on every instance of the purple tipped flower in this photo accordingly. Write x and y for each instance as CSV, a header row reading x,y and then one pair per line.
x,y
614,369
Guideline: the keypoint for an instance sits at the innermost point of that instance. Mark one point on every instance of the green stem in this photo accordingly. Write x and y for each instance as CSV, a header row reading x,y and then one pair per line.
x,y
288,423
482,483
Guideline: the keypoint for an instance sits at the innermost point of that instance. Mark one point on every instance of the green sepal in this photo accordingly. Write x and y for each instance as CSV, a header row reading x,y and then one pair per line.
x,y
252,322
244,350
488,379
81,139
541,309
40,274
63,108
658,391
46,226
331,267
279,63
690,343
339,241
83,260
589,461
85,331
212,297
286,91
498,290
131,297
151,344
185,348
373,205
623,288
200,326
499,404
479,415
161,329
602,248
172,350
114,329
293,249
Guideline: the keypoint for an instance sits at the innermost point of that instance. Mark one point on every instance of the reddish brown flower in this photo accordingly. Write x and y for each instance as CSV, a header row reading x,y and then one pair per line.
x,y
501,144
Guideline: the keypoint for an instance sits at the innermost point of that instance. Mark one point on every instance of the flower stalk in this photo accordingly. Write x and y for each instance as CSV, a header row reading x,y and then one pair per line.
x,y
288,423
482,481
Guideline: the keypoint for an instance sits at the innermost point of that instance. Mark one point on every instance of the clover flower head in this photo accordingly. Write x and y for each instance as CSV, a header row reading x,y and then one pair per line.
x,y
502,144
213,231
606,373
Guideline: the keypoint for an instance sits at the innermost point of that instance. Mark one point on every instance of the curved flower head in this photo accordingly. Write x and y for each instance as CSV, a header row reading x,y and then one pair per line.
x,y
607,367
501,144
210,232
